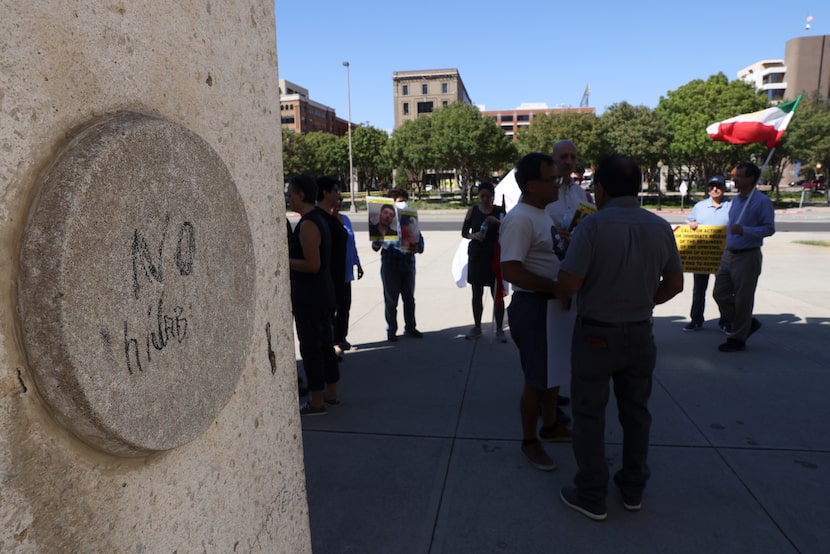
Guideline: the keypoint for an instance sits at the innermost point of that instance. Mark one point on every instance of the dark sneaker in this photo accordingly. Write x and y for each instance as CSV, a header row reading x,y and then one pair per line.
x,y
414,333
501,337
727,330
308,410
632,502
391,336
555,433
536,455
571,499
331,402
345,345
563,400
693,327
474,333
754,327
732,345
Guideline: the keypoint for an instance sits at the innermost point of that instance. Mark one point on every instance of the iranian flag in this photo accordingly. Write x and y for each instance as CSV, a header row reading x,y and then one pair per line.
x,y
764,126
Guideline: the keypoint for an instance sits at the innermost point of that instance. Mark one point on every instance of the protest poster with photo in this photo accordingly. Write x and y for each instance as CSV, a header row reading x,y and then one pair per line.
x,y
700,249
410,230
583,209
383,221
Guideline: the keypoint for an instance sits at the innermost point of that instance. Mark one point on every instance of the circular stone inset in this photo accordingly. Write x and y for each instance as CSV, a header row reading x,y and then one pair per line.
x,y
137,285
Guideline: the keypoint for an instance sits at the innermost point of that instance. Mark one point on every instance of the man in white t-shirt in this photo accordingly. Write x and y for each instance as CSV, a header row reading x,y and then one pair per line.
x,y
530,253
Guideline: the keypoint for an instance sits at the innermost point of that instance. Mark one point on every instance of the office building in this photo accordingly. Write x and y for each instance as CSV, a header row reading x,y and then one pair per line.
x,y
808,66
512,120
419,93
767,76
301,114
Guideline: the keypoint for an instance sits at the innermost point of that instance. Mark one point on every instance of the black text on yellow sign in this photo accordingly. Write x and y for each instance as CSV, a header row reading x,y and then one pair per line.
x,y
700,249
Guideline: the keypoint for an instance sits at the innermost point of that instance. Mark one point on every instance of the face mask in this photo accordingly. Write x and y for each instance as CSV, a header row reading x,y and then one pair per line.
x,y
401,205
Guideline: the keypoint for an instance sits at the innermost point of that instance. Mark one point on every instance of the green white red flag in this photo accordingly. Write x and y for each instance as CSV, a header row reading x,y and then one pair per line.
x,y
766,126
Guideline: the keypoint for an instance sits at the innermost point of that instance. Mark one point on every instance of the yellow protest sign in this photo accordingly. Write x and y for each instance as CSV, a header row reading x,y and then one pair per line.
x,y
700,249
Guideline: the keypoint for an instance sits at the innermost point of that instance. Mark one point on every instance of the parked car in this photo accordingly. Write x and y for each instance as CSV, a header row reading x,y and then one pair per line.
x,y
814,185
798,183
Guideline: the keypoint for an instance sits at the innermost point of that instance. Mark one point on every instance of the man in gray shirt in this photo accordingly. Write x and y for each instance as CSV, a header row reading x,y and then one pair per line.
x,y
622,261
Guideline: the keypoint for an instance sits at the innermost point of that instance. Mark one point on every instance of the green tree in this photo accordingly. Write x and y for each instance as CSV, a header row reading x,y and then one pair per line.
x,y
410,150
469,143
807,139
547,129
295,154
328,155
636,131
371,164
694,106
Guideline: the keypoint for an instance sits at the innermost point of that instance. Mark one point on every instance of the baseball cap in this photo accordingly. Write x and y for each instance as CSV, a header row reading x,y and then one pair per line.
x,y
717,180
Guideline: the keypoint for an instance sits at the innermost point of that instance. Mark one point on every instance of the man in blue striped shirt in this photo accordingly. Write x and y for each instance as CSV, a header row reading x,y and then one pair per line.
x,y
751,218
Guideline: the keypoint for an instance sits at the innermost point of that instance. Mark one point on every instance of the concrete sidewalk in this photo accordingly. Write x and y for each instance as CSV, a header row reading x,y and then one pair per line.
x,y
423,455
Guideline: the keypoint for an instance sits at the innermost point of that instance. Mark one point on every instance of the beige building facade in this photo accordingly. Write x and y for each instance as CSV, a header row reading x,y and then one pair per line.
x,y
419,93
808,66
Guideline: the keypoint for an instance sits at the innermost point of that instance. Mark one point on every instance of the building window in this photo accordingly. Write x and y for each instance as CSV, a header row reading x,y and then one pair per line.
x,y
522,118
424,89
406,90
444,88
506,118
406,108
288,120
424,107
443,103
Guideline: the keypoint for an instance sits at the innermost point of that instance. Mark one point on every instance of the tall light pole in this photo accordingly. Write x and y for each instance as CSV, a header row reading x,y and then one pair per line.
x,y
353,206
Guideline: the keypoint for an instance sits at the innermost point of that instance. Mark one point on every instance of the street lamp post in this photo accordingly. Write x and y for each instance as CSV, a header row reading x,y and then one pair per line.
x,y
353,206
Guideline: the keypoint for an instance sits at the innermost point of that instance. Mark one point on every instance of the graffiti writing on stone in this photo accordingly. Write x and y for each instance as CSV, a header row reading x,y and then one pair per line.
x,y
165,326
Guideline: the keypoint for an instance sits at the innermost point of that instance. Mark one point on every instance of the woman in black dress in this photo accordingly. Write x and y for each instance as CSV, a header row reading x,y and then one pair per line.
x,y
481,226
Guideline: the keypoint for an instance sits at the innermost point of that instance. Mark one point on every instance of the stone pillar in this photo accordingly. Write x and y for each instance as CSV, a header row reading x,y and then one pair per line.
x,y
148,393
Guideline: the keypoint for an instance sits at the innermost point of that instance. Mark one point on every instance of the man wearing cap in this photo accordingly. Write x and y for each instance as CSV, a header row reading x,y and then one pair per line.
x,y
714,210
751,218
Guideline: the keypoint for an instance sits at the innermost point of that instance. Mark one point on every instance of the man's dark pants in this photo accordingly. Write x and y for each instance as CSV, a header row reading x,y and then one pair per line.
x,y
701,283
398,282
626,355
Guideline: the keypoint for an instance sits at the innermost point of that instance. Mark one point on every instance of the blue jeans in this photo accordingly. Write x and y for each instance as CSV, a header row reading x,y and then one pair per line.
x,y
398,283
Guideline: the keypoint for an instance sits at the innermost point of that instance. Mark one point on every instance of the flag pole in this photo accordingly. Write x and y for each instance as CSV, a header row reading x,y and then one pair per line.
x,y
766,163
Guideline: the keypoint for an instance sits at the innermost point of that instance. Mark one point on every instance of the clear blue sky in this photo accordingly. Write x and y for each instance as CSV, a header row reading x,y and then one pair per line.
x,y
530,50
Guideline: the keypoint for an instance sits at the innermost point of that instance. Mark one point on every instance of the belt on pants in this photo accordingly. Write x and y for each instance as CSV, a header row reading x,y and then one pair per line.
x,y
585,321
742,250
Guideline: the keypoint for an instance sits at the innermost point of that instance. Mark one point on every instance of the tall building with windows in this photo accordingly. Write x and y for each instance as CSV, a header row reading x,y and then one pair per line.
x,y
303,115
808,66
768,76
513,120
419,93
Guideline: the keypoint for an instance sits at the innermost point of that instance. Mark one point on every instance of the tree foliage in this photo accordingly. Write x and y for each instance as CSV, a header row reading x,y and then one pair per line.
x,y
468,142
694,106
410,150
636,131
371,164
546,129
807,139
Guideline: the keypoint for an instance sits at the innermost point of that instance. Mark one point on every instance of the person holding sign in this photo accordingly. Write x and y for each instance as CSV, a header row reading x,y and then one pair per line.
x,y
751,218
397,270
714,210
